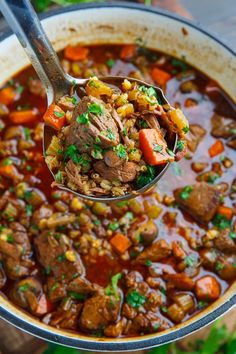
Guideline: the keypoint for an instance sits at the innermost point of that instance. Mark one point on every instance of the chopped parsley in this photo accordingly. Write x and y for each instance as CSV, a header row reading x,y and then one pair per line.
x,y
10,239
59,114
219,266
186,192
83,118
24,287
27,133
179,64
95,109
120,151
150,91
157,148
20,89
148,263
180,145
110,134
170,152
164,309
125,132
212,178
202,304
110,63
7,161
61,257
113,226
221,222
47,270
71,152
76,296
58,177
232,235
112,289
143,123
155,326
185,130
135,299
191,260
97,139
145,178
28,209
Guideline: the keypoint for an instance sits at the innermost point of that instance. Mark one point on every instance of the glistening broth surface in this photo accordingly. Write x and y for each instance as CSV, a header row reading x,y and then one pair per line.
x,y
59,260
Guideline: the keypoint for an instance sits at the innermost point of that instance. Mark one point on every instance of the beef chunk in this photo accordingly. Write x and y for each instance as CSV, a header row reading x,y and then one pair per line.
x,y
156,252
28,294
16,251
66,103
112,160
124,173
201,202
225,267
83,286
148,231
44,212
64,317
99,311
56,290
52,251
148,322
221,127
179,281
232,144
102,126
151,121
224,242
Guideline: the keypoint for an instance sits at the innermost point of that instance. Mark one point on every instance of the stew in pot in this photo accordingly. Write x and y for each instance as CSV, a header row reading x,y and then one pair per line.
x,y
134,267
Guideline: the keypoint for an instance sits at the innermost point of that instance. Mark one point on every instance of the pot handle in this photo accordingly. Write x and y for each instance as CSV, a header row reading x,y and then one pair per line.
x,y
25,23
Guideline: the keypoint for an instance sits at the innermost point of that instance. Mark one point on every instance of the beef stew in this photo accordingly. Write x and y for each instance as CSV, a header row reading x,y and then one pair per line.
x,y
128,268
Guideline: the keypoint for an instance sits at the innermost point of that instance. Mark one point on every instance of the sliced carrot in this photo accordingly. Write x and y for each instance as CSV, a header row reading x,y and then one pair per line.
x,y
207,288
151,140
8,95
225,211
55,117
128,51
76,52
120,243
160,76
9,171
216,149
20,117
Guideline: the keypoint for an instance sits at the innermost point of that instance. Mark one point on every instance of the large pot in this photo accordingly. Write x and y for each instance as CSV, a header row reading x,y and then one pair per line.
x,y
123,23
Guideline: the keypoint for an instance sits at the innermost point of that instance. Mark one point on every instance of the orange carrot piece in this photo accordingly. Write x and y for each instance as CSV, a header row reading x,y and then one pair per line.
x,y
225,211
160,76
55,117
21,117
8,95
207,288
127,51
151,140
76,52
8,171
216,149
120,243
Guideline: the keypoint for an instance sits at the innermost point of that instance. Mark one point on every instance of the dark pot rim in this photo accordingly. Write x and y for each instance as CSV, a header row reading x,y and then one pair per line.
x,y
129,344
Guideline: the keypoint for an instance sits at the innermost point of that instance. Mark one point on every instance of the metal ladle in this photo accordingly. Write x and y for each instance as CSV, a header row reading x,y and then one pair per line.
x,y
24,22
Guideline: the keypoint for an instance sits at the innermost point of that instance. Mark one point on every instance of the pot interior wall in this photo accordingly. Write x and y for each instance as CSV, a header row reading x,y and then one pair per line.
x,y
123,25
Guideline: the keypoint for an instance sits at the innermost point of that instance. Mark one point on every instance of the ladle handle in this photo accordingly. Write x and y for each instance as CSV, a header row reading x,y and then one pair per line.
x,y
24,22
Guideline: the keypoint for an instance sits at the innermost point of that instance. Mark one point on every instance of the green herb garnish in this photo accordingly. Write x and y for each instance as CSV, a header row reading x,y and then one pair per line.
x,y
113,226
221,222
185,130
145,178
76,296
24,287
59,114
120,151
112,289
180,145
83,118
110,63
157,148
95,109
186,192
135,299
